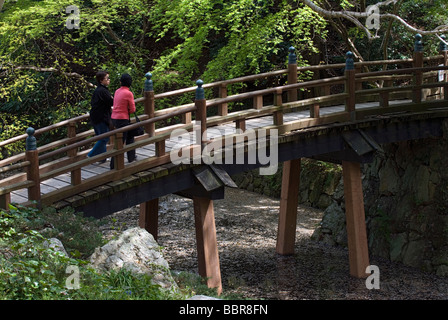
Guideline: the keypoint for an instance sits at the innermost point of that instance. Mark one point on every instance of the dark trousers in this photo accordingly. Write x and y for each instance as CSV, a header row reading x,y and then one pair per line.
x,y
101,145
127,139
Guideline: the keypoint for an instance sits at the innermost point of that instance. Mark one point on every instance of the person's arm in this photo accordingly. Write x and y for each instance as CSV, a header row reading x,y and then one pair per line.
x,y
131,103
106,96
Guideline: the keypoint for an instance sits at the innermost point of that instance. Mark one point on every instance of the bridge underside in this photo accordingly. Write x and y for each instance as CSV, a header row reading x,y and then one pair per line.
x,y
332,143
348,144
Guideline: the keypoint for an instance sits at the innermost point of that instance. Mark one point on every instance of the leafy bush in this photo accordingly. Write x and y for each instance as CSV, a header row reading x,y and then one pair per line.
x,y
31,270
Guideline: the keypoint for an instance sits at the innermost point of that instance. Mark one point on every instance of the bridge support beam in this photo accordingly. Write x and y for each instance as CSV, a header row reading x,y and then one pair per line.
x,y
149,217
355,219
288,207
207,246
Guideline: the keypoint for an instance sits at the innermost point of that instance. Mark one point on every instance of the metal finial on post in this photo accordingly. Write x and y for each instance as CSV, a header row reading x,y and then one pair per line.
x,y
30,143
292,57
442,45
199,90
148,82
418,45
349,62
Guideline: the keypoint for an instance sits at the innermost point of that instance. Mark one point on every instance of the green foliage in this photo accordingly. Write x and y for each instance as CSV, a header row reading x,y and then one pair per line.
x,y
218,40
31,270
79,234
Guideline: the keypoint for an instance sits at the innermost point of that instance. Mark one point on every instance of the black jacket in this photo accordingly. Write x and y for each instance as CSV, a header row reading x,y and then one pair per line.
x,y
101,103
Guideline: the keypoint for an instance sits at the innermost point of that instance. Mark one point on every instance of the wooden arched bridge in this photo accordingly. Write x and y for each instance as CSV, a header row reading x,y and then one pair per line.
x,y
342,118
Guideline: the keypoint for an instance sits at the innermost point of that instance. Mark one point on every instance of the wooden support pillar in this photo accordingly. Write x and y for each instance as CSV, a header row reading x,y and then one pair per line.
x,y
149,217
207,246
288,207
355,219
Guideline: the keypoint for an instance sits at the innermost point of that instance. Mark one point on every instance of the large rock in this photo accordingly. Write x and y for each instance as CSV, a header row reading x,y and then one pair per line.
x,y
137,251
56,245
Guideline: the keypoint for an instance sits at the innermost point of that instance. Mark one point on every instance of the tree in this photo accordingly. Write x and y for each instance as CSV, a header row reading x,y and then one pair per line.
x,y
389,11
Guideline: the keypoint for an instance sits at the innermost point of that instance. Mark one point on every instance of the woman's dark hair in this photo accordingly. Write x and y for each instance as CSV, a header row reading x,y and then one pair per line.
x,y
126,80
100,75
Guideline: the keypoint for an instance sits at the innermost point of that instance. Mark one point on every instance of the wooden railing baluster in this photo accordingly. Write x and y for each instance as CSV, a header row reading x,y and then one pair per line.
x,y
223,107
32,155
75,175
201,113
418,63
292,73
443,50
149,104
119,159
278,101
350,85
384,96
258,102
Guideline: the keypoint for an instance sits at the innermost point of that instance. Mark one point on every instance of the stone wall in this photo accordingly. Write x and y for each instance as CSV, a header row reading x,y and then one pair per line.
x,y
406,203
405,196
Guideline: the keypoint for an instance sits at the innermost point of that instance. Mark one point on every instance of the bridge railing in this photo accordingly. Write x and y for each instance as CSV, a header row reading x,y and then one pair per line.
x,y
68,155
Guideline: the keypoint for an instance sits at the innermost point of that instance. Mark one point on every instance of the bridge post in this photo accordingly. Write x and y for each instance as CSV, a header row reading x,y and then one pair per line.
x,y
223,107
287,223
118,160
32,155
149,211
443,50
5,201
149,103
149,217
418,63
278,115
355,219
75,175
350,85
207,245
292,73
201,112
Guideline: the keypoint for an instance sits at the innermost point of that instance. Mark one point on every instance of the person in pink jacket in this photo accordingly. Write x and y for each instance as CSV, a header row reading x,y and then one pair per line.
x,y
124,105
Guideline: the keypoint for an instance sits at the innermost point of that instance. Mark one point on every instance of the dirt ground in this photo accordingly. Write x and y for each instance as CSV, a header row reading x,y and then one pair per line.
x,y
246,225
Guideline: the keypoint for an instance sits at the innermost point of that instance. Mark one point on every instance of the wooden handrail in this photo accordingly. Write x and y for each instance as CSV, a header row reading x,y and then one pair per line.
x,y
113,132
400,71
45,129
312,83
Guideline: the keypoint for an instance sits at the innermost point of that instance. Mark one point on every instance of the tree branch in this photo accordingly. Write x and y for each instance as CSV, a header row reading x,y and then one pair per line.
x,y
354,16
67,74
